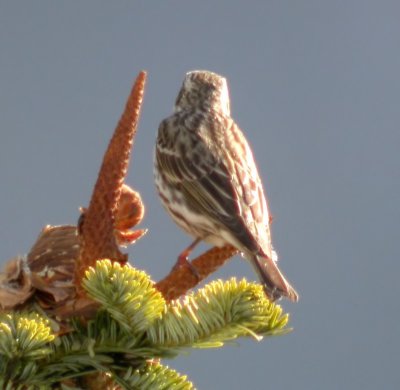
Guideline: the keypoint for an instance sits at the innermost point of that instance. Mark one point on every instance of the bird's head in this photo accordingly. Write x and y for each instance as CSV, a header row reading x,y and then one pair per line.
x,y
204,90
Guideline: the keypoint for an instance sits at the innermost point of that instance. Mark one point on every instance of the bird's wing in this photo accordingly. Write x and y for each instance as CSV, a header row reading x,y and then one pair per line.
x,y
238,158
216,173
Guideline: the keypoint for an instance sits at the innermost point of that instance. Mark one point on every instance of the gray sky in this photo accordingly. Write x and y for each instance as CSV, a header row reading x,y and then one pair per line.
x,y
315,86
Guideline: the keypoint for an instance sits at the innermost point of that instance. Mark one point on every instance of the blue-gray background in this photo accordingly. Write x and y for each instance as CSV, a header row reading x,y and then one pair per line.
x,y
315,86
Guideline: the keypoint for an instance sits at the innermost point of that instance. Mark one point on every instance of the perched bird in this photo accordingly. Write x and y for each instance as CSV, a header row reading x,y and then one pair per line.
x,y
208,181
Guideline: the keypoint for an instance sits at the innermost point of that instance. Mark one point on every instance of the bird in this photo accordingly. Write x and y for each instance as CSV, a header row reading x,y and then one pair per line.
x,y
208,181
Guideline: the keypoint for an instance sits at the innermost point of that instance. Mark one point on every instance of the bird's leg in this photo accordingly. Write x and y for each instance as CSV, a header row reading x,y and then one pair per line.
x,y
183,258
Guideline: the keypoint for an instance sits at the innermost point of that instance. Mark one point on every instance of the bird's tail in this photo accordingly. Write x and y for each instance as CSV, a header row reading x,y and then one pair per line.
x,y
275,284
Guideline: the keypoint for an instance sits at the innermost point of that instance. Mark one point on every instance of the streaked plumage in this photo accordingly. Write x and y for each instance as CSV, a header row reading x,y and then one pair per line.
x,y
208,181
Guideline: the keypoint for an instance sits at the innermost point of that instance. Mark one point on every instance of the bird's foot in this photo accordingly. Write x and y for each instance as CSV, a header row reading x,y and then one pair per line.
x,y
183,261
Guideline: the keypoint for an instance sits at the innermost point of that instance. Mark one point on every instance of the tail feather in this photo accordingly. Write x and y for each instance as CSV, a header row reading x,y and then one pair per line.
x,y
275,284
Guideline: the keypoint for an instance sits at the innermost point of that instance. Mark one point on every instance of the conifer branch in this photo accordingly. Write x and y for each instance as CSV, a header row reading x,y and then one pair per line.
x,y
134,325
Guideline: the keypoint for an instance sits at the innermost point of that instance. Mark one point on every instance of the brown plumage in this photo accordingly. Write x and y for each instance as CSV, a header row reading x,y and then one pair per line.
x,y
208,181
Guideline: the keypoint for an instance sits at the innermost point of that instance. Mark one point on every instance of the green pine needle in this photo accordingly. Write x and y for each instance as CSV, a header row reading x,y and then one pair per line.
x,y
219,312
24,335
155,376
126,293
